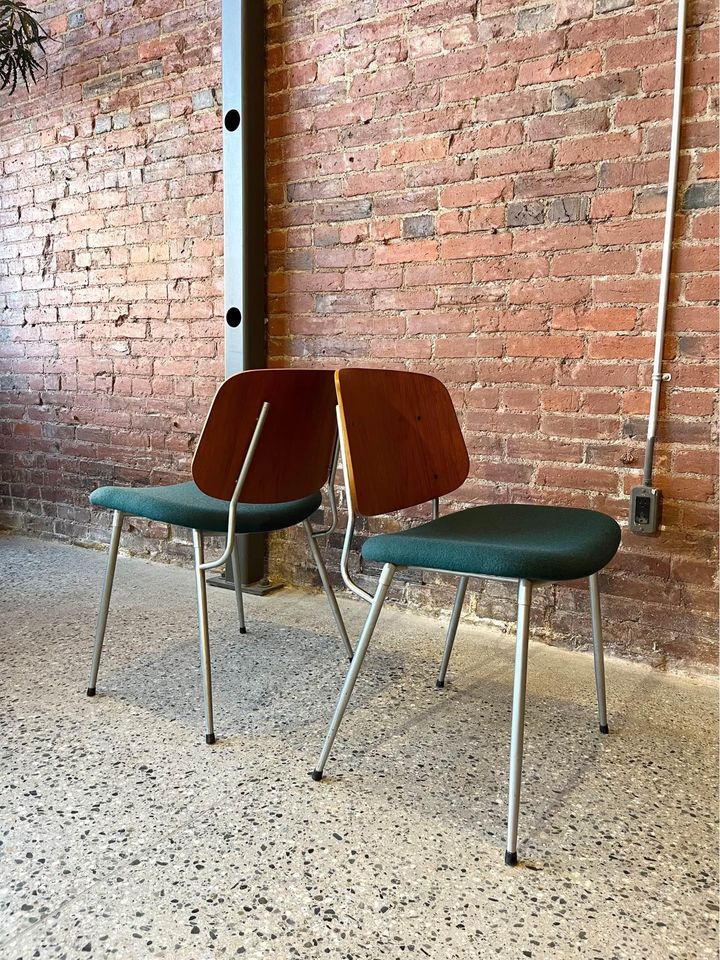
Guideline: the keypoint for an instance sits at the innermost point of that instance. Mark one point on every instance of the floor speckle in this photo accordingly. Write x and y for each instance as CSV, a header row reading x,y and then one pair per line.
x,y
124,836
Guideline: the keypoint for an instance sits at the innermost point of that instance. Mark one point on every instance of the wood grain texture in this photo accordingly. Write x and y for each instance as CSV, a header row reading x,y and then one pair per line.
x,y
403,442
293,455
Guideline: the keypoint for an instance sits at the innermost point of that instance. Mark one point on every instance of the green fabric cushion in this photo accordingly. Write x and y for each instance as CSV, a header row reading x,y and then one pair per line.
x,y
505,540
185,505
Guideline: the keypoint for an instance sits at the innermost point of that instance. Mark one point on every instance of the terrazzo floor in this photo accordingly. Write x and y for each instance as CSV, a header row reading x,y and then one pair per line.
x,y
125,836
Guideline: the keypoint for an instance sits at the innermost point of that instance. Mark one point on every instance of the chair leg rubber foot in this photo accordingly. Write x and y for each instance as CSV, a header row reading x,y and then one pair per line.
x,y
604,728
440,684
510,859
243,630
91,691
317,774
210,738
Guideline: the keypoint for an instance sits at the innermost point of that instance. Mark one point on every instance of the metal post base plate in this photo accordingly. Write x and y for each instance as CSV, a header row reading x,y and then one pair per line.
x,y
258,589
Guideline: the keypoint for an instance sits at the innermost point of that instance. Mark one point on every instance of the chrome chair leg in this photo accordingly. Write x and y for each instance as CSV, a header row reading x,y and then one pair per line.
x,y
237,580
329,593
518,718
199,548
452,629
598,652
383,586
105,601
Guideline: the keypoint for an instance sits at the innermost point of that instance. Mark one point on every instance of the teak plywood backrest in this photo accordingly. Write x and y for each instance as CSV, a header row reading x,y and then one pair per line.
x,y
403,443
293,455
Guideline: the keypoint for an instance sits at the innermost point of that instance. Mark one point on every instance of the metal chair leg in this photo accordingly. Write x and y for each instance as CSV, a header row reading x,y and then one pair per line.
x,y
518,718
237,580
452,629
199,548
105,601
386,576
598,652
329,593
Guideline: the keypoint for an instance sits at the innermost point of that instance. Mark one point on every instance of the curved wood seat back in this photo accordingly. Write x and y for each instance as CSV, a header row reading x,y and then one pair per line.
x,y
403,443
293,455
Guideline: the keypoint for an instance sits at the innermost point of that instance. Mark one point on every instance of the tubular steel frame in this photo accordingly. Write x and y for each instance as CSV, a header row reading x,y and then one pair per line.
x,y
524,599
230,553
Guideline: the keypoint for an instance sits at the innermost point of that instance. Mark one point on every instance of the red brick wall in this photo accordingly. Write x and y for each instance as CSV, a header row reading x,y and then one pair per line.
x,y
475,190
470,189
111,260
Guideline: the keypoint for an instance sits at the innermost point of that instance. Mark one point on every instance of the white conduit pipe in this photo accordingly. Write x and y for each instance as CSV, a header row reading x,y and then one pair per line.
x,y
657,375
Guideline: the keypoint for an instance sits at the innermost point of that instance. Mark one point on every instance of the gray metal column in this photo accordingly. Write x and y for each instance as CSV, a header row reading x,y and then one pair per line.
x,y
243,85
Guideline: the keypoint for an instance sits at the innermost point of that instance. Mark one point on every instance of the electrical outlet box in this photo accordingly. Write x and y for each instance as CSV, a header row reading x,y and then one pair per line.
x,y
645,509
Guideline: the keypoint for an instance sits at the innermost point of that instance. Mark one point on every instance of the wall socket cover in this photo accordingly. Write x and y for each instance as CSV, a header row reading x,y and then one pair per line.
x,y
645,510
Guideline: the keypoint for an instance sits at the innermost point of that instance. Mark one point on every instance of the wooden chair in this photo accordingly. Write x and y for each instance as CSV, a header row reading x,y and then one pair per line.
x,y
402,446
271,438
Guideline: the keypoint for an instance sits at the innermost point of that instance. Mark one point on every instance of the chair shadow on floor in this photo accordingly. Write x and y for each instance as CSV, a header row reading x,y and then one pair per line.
x,y
277,681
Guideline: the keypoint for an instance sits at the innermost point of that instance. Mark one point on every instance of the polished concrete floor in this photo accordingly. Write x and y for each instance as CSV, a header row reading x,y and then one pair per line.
x,y
123,835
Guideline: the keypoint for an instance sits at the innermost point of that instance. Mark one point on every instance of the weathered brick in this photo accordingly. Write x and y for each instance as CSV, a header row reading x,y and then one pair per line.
x,y
411,251
699,196
159,111
598,147
553,238
422,226
567,124
568,209
608,6
536,18
344,210
203,99
103,86
525,214
551,69
572,11
343,302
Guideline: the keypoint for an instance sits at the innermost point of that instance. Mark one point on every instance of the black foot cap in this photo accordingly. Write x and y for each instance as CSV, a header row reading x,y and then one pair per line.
x,y
209,738
316,774
243,630
91,691
604,728
510,859
440,684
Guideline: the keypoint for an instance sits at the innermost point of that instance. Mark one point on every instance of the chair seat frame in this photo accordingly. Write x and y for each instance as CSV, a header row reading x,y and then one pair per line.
x,y
230,553
524,600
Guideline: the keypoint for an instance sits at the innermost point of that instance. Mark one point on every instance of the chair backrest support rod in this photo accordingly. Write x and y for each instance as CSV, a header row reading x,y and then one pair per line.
x,y
332,497
232,509
350,529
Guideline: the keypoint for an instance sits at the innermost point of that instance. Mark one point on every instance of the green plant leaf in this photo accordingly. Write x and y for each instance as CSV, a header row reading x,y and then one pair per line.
x,y
22,39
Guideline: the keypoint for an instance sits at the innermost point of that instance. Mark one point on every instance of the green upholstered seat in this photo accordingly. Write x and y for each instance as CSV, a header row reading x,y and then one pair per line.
x,y
523,541
185,505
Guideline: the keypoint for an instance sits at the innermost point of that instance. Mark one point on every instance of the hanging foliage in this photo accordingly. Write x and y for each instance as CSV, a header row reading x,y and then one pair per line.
x,y
21,42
